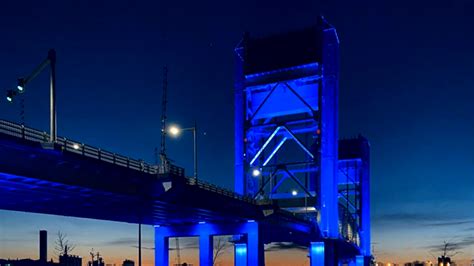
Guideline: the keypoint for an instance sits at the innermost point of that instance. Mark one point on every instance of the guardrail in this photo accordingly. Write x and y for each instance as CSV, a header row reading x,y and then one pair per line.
x,y
76,147
213,188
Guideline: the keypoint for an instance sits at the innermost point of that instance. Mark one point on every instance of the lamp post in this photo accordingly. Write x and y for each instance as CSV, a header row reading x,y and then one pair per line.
x,y
176,131
22,82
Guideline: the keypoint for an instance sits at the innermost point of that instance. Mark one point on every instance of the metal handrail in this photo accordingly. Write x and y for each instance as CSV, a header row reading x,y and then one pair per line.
x,y
213,188
27,133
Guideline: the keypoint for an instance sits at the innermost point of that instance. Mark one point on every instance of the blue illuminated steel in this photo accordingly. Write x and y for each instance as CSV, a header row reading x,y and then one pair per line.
x,y
275,150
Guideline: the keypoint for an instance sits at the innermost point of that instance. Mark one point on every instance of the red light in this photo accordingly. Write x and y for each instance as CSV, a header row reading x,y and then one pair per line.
x,y
318,131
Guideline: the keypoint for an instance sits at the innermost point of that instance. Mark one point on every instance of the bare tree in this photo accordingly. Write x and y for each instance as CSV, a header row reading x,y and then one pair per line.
x,y
219,248
450,249
62,244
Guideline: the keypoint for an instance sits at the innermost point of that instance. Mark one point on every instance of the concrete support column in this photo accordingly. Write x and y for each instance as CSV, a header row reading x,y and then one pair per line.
x,y
316,253
255,250
206,250
161,249
240,254
359,261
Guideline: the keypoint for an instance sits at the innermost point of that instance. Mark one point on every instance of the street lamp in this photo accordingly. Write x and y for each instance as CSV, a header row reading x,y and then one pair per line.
x,y
176,131
22,82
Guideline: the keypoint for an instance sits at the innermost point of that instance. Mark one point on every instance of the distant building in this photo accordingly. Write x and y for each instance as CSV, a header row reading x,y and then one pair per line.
x,y
25,262
128,263
69,260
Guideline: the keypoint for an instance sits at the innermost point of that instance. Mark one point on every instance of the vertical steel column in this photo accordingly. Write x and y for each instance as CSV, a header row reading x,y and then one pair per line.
x,y
206,250
328,192
240,254
161,248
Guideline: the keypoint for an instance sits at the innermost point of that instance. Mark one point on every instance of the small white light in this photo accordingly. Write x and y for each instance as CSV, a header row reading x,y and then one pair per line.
x,y
294,192
76,146
9,99
156,225
256,172
202,222
20,88
174,130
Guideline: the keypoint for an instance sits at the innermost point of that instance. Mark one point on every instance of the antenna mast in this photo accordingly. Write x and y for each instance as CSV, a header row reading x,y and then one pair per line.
x,y
164,103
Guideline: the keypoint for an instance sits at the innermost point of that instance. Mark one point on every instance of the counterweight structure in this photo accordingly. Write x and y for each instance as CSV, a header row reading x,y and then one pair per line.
x,y
286,136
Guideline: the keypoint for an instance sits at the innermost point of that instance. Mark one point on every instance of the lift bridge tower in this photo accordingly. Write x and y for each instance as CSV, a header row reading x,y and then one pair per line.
x,y
286,136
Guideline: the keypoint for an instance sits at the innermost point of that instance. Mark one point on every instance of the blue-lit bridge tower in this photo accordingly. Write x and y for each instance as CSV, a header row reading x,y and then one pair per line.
x,y
286,139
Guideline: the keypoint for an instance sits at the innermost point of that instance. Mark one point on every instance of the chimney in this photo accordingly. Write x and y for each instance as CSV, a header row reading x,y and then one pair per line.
x,y
43,246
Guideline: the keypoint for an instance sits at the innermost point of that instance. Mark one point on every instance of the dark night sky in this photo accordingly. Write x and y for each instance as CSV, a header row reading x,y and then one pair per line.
x,y
407,83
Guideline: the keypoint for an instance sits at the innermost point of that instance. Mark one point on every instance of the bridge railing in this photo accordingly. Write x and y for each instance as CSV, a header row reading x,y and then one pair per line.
x,y
35,135
226,192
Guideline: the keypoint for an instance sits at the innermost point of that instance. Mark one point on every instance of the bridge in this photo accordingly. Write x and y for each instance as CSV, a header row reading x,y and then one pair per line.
x,y
294,180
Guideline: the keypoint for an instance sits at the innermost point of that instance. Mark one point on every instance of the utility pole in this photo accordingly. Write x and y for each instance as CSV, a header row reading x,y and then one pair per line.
x,y
140,244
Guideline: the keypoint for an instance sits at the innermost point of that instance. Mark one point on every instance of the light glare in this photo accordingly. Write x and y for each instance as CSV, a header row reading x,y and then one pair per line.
x,y
256,172
174,130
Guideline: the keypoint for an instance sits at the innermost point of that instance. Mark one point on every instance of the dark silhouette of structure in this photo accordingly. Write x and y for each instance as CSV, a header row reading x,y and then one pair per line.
x,y
43,246
128,263
64,259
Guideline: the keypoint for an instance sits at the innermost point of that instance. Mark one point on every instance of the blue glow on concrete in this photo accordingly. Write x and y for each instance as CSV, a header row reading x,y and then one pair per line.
x,y
359,261
241,249
202,222
240,257
161,248
206,248
317,248
316,253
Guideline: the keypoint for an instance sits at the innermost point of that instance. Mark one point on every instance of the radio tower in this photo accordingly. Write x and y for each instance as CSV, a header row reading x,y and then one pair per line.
x,y
164,102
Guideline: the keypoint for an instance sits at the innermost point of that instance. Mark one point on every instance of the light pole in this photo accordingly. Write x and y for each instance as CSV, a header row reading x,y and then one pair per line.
x,y
22,82
176,131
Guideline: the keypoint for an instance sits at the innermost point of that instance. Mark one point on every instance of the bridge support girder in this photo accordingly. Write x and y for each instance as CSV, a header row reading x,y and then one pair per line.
x,y
248,252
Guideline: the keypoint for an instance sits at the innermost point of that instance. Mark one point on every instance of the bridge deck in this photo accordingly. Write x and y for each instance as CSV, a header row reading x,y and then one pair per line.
x,y
66,181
